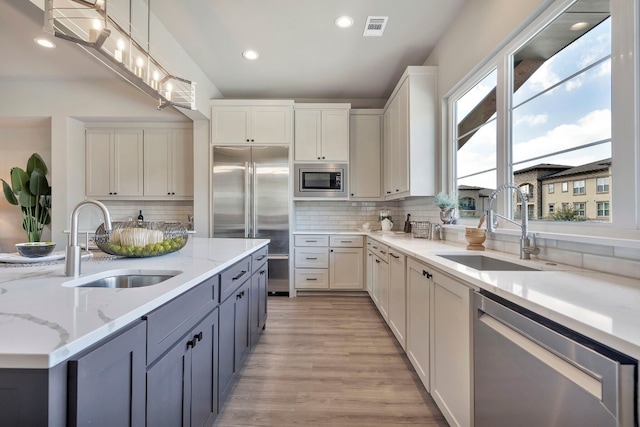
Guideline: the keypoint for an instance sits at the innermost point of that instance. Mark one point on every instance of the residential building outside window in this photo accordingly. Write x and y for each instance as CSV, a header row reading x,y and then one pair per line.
x,y
603,209
467,204
565,206
565,187
580,208
550,188
578,187
602,185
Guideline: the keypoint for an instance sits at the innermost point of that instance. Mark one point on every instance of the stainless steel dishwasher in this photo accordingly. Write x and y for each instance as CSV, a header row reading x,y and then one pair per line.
x,y
529,371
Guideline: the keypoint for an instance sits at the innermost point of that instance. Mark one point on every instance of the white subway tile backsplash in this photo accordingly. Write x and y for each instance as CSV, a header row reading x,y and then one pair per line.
x,y
169,211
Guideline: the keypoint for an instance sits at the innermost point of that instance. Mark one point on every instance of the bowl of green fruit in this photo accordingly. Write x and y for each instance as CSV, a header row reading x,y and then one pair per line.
x,y
141,239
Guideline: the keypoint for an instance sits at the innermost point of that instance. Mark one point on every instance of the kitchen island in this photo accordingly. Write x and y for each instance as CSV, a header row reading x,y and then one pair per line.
x,y
47,327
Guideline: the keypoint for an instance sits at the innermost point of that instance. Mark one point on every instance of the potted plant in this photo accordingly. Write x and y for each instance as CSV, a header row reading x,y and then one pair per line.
x,y
31,191
447,205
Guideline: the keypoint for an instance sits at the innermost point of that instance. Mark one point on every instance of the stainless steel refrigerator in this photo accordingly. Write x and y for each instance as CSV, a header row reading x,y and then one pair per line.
x,y
251,200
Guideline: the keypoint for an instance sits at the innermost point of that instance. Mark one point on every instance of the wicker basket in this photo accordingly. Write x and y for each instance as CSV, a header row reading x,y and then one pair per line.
x,y
421,229
148,239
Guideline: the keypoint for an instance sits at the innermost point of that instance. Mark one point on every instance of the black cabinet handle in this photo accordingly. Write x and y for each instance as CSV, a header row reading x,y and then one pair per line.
x,y
312,258
388,192
377,261
260,258
393,255
375,247
382,252
311,241
242,273
198,336
262,272
427,274
311,279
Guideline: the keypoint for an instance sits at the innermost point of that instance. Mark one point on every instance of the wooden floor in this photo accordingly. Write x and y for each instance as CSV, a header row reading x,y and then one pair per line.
x,y
328,361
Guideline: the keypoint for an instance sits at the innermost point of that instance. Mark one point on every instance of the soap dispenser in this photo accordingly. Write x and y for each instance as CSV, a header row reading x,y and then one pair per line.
x,y
140,218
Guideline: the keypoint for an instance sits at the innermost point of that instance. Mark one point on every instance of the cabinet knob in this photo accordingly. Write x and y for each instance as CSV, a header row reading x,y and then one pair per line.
x,y
397,190
253,140
427,274
388,192
198,336
323,157
248,140
331,250
318,158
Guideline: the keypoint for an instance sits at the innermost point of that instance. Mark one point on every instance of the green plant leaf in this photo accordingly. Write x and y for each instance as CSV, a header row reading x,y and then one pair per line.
x,y
35,162
8,193
38,184
19,179
26,199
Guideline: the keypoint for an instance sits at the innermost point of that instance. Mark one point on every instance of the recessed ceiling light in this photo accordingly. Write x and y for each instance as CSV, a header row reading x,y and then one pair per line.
x,y
251,55
45,42
344,21
579,26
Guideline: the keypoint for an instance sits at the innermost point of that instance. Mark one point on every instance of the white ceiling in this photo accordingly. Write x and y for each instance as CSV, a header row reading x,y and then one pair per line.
x,y
303,55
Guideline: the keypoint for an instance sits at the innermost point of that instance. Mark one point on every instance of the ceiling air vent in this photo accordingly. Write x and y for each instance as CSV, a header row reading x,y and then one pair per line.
x,y
375,26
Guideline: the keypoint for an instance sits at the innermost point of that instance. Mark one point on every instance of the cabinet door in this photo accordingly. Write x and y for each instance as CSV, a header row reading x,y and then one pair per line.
x,y
307,135
98,162
106,386
370,264
158,150
169,387
451,349
345,268
365,167
128,162
182,165
418,282
390,147
401,160
383,289
204,371
397,296
271,125
311,257
230,124
335,135
242,341
226,346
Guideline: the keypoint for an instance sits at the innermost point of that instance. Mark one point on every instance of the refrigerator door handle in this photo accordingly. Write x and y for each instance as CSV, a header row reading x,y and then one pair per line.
x,y
247,199
254,215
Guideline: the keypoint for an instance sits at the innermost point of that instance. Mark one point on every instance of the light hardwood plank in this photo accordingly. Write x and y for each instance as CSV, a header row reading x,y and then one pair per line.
x,y
327,361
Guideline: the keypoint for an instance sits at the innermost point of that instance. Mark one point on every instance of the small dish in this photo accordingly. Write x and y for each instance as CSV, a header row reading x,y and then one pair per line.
x,y
35,249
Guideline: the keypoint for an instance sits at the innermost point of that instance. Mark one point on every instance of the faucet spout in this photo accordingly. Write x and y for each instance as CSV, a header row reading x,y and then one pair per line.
x,y
526,248
73,250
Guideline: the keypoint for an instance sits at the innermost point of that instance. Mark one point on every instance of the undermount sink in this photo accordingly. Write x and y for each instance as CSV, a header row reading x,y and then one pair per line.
x,y
485,263
123,279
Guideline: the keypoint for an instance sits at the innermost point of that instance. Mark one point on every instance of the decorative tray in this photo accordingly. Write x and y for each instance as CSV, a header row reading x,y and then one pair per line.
x,y
141,239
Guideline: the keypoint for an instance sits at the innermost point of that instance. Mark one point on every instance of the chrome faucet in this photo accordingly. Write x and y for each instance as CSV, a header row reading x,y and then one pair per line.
x,y
527,242
73,250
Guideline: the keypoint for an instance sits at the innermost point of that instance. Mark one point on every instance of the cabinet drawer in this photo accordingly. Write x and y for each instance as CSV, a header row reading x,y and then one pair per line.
x,y
233,277
169,323
338,241
311,257
311,278
258,258
382,251
311,240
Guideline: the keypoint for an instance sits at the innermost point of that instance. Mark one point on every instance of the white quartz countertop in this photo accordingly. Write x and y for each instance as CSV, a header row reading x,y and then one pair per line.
x,y
602,306
43,323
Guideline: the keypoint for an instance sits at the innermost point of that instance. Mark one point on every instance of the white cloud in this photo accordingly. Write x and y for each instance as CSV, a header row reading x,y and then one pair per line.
x,y
532,119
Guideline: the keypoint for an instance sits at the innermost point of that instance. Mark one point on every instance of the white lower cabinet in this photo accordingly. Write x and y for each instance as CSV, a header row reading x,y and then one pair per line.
x,y
332,262
418,319
398,296
451,349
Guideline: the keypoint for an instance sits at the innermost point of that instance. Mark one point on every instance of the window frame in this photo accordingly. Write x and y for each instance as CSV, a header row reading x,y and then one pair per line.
x,y
625,108
582,189
551,188
605,187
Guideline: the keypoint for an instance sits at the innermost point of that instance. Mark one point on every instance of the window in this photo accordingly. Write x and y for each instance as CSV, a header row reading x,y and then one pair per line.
x,y
528,190
530,210
603,209
467,204
565,207
476,135
602,186
556,113
552,208
580,208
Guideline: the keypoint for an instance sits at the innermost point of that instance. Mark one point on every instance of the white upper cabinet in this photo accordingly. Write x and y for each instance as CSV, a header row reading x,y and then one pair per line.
x,y
251,122
113,162
410,135
321,133
168,163
365,158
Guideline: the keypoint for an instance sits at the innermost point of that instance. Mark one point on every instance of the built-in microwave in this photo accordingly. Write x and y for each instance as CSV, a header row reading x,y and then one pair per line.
x,y
321,180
